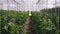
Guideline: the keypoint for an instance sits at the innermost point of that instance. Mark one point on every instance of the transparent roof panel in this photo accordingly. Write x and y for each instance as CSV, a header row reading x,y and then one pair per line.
x,y
30,4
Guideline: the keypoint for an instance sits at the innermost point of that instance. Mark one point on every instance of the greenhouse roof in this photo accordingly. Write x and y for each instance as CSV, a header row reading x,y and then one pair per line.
x,y
30,5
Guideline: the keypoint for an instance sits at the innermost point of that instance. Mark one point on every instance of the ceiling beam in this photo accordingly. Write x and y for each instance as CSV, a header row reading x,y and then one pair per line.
x,y
38,1
16,2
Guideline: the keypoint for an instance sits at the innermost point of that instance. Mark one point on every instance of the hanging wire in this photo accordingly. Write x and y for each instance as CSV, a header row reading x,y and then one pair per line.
x,y
46,4
12,5
58,17
1,5
56,13
7,4
30,8
41,4
46,7
51,13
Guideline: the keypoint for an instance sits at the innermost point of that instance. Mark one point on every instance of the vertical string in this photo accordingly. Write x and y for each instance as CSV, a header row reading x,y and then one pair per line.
x,y
46,5
0,20
8,3
29,13
55,12
30,8
12,5
7,8
46,2
58,17
19,7
41,4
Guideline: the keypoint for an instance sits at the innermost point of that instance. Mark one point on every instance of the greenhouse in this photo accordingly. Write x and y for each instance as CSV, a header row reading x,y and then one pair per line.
x,y
29,16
